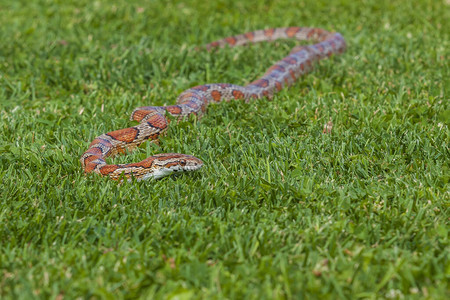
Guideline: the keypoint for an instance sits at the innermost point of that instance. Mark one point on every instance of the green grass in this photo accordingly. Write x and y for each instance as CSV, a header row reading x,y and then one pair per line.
x,y
281,210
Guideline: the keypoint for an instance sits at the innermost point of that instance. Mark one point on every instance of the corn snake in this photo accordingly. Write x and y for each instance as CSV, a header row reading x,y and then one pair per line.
x,y
153,121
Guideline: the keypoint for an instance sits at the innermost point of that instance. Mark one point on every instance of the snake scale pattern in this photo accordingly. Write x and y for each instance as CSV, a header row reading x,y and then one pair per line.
x,y
153,121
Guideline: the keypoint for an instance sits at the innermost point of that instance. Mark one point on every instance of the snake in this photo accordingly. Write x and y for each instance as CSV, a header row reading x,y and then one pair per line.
x,y
154,120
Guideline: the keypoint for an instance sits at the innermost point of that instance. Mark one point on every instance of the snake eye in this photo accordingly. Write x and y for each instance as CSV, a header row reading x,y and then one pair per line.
x,y
183,162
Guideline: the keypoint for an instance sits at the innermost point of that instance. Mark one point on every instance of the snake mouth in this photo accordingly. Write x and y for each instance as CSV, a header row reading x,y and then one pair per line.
x,y
163,172
193,168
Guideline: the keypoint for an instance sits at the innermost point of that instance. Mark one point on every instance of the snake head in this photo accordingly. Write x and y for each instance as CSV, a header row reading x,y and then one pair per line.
x,y
168,163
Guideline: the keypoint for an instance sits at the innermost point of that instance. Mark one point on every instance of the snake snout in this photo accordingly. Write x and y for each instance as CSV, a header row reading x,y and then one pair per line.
x,y
192,163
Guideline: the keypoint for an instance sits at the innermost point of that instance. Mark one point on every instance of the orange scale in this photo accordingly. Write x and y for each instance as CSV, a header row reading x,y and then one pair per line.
x,y
94,151
278,85
269,32
231,40
157,121
174,109
291,31
214,44
91,158
89,167
216,95
238,94
250,35
105,170
103,142
126,135
292,74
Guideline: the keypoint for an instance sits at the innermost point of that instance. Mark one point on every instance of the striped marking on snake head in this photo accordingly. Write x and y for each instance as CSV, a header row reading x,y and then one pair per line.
x,y
168,163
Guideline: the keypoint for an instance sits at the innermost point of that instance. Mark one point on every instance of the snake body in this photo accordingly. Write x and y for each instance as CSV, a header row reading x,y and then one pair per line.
x,y
153,121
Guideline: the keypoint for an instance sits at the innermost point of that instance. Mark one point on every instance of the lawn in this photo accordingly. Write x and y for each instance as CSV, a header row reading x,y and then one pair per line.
x,y
283,209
